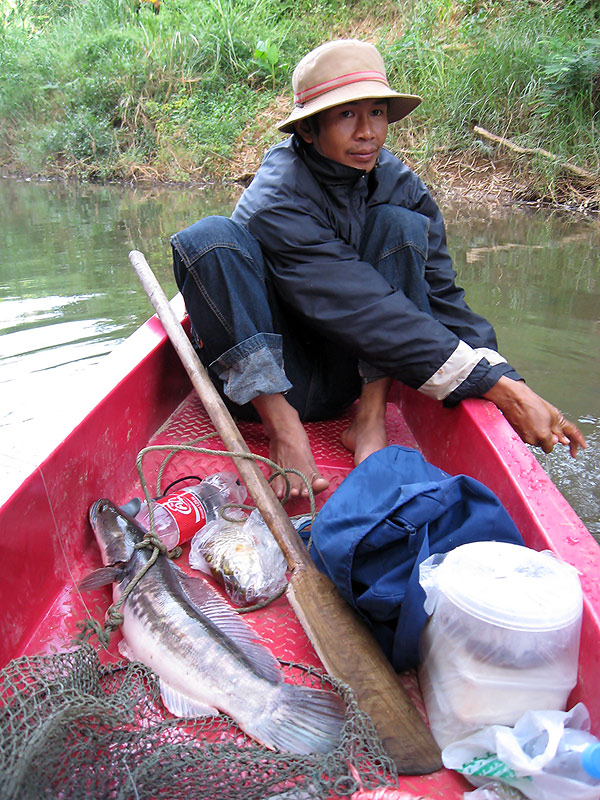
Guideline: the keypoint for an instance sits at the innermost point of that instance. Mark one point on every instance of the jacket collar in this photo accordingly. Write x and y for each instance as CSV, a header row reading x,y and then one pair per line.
x,y
327,172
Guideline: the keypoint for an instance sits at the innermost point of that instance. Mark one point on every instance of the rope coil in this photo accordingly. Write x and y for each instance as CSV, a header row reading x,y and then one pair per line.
x,y
114,616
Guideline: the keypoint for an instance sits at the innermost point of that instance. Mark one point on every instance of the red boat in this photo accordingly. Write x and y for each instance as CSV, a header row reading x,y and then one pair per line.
x,y
47,544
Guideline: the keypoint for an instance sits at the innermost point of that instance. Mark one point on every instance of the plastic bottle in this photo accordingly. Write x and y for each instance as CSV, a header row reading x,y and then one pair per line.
x,y
181,514
577,756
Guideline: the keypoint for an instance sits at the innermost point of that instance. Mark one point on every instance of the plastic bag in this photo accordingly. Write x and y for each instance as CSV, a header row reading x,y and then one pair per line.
x,y
494,791
243,556
496,753
502,639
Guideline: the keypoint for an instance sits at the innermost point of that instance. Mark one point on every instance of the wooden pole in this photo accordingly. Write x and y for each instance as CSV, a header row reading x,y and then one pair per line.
x,y
343,642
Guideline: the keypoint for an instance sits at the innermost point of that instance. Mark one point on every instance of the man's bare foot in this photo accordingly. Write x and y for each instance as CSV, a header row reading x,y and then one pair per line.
x,y
288,445
364,437
367,434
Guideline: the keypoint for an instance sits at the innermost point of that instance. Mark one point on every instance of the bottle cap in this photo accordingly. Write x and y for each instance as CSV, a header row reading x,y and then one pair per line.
x,y
590,759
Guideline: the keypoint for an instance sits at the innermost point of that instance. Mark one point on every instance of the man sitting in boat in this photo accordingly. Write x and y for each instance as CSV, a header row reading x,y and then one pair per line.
x,y
332,278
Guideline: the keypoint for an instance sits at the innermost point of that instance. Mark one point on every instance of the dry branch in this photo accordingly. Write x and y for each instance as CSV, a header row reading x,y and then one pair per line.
x,y
535,151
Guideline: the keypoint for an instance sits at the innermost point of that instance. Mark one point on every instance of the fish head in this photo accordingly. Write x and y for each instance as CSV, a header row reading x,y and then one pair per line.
x,y
116,532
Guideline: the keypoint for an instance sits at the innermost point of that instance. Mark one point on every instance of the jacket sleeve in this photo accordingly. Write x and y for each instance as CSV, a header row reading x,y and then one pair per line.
x,y
448,305
324,280
447,300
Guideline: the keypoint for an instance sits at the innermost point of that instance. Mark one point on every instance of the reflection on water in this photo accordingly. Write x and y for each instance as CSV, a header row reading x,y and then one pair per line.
x,y
537,277
68,295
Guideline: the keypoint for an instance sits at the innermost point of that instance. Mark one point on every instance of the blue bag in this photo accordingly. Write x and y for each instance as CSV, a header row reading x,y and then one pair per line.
x,y
391,513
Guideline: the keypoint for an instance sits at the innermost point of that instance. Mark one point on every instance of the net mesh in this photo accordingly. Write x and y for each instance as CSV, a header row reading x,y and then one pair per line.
x,y
71,727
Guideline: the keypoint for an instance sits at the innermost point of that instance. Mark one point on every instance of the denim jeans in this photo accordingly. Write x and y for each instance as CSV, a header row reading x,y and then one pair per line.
x,y
253,343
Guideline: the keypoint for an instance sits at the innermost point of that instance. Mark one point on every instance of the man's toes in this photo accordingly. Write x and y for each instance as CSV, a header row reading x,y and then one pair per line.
x,y
319,483
279,486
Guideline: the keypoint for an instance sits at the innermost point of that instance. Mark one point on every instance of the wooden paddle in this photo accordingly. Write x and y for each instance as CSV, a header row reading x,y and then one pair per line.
x,y
342,641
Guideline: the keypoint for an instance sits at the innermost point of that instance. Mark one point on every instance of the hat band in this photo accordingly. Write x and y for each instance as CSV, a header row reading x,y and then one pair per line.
x,y
300,98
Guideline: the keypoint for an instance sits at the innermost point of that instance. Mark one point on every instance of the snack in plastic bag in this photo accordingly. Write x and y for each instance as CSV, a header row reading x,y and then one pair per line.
x,y
530,756
243,556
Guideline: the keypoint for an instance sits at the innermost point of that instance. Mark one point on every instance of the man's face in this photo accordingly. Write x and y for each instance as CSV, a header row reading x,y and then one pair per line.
x,y
351,134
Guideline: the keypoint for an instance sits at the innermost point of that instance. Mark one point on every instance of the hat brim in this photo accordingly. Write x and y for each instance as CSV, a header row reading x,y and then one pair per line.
x,y
399,105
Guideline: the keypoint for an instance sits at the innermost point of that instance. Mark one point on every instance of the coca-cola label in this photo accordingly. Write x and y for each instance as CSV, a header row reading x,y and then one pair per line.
x,y
187,511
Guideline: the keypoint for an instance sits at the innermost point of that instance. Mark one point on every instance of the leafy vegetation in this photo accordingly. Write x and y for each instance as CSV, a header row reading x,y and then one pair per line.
x,y
110,89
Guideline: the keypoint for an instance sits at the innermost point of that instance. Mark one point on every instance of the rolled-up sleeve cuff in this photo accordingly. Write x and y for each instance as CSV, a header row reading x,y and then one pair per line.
x,y
368,373
480,381
253,367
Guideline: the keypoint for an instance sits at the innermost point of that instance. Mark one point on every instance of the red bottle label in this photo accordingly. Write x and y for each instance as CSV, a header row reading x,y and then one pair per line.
x,y
187,511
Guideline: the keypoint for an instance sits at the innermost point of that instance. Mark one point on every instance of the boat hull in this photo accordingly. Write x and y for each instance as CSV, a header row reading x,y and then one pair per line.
x,y
145,397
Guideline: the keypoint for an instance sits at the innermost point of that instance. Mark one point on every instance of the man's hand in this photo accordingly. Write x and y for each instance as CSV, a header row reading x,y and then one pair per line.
x,y
536,421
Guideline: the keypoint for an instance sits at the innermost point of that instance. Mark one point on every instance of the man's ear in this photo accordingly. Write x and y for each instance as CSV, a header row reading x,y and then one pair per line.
x,y
304,130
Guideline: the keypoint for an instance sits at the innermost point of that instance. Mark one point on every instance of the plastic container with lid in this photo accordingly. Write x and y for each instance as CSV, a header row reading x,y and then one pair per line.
x,y
503,636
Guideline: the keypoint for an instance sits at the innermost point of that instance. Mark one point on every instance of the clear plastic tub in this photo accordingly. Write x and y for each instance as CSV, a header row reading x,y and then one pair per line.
x,y
503,637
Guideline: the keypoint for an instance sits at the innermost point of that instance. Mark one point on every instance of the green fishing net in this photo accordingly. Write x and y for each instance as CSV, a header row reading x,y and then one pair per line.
x,y
71,727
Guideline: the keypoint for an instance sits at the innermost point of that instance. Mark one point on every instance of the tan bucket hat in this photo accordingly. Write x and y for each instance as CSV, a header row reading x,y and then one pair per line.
x,y
340,72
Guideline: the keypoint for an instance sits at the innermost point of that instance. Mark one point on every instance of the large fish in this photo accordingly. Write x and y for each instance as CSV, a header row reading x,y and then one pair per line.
x,y
207,658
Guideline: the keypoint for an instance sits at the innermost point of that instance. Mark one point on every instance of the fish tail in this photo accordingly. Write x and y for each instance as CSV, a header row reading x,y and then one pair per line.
x,y
304,721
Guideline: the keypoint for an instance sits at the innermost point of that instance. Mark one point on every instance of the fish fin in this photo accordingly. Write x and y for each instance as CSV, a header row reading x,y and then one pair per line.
x,y
306,720
100,577
180,705
132,507
208,603
125,649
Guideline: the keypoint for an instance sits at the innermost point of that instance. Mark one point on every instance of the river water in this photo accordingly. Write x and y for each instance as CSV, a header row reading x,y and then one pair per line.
x,y
68,295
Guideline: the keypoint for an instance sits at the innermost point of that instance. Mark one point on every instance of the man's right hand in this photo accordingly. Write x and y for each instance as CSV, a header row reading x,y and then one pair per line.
x,y
535,420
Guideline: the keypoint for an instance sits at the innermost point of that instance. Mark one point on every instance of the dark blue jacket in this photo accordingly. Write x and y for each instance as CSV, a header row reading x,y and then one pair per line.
x,y
309,213
391,513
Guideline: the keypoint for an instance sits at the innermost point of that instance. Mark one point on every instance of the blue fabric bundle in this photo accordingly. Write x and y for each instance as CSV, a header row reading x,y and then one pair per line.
x,y
391,513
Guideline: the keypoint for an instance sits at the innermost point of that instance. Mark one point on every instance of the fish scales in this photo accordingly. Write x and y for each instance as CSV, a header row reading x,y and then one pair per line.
x,y
206,657
188,644
153,598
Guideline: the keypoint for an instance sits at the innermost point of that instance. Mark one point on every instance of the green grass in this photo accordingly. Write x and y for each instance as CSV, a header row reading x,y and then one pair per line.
x,y
96,89
496,68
